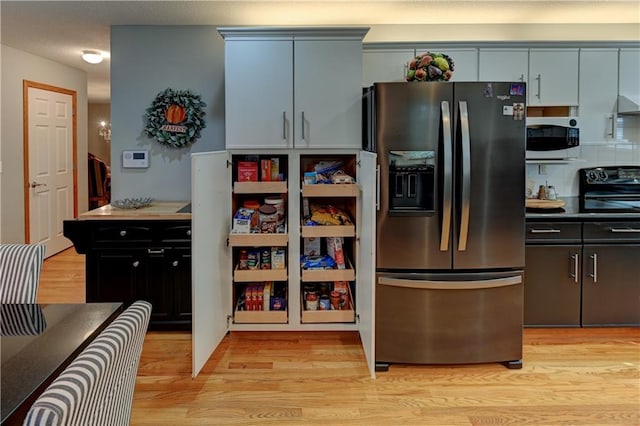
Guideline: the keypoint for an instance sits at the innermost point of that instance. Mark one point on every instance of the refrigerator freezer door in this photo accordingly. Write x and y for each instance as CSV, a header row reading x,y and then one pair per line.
x,y
410,118
435,319
490,177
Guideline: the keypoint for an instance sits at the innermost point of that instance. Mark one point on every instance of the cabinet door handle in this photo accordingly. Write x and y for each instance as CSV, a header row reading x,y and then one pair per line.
x,y
284,125
613,126
624,230
136,263
303,127
189,233
521,77
123,233
545,231
594,274
155,251
576,263
175,263
539,80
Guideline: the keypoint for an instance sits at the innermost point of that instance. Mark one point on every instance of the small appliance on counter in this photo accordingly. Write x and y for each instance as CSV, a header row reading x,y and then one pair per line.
x,y
610,189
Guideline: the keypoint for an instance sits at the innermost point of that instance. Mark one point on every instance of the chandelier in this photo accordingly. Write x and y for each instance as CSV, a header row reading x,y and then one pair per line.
x,y
105,130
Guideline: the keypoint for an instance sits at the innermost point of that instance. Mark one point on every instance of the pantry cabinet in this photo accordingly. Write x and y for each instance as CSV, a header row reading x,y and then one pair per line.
x,y
553,77
295,88
598,94
220,285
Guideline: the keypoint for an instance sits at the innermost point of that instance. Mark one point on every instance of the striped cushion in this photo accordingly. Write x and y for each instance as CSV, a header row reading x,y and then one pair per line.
x,y
20,266
97,387
22,320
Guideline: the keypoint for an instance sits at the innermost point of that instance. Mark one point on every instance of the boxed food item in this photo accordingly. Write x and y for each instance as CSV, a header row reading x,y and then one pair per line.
x,y
277,258
242,221
275,169
334,249
265,170
247,171
266,297
311,246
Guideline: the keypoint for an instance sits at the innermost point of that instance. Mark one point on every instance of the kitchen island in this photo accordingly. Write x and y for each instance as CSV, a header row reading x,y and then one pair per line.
x,y
134,254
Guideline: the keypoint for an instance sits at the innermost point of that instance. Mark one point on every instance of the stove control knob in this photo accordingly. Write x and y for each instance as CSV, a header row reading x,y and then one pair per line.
x,y
592,176
602,175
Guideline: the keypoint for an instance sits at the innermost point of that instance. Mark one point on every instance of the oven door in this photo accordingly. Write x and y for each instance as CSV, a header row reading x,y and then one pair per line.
x,y
610,203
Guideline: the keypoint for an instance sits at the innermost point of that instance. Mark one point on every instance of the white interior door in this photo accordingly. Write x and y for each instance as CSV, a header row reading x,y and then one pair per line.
x,y
50,174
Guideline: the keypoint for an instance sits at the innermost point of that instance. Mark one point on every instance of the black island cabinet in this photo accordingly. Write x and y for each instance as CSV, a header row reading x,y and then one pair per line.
x,y
139,259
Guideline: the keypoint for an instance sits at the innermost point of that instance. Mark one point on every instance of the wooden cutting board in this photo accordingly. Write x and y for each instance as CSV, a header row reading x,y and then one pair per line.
x,y
534,203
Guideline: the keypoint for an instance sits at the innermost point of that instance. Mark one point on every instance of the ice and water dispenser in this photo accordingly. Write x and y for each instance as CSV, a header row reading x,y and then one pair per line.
x,y
411,181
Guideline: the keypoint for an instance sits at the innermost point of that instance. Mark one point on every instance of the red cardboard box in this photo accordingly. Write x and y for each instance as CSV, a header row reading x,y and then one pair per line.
x,y
265,170
247,171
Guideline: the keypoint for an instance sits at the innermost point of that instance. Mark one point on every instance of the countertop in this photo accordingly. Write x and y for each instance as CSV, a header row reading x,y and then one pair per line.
x,y
571,212
157,210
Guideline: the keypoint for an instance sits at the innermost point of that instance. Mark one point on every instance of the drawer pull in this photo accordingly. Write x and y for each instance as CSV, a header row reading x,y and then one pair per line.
x,y
123,233
136,263
545,231
624,230
189,233
155,251
175,263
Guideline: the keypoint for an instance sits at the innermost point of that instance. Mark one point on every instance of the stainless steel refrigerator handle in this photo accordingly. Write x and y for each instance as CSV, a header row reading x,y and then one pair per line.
x,y
576,259
624,230
466,177
450,285
378,187
594,275
448,176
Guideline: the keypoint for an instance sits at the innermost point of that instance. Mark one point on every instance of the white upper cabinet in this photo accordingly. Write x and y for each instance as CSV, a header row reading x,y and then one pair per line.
x,y
598,94
553,77
385,65
293,88
465,62
503,65
629,77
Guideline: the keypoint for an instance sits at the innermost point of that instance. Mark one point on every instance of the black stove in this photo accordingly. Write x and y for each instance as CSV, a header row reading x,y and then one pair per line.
x,y
611,189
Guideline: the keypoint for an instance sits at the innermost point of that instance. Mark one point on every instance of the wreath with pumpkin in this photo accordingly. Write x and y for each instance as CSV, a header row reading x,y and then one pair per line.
x,y
175,118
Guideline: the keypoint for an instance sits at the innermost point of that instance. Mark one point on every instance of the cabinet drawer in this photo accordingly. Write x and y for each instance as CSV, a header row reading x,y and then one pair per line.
x,y
555,232
118,233
611,231
176,233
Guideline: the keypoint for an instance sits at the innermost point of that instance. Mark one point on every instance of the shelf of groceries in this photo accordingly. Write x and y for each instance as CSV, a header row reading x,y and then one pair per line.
x,y
259,239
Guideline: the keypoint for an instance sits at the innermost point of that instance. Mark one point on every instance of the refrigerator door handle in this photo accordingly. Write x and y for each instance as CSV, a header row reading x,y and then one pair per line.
x,y
450,285
448,178
466,177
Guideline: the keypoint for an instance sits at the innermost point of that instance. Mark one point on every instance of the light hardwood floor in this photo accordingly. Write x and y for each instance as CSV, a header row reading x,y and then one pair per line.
x,y
569,377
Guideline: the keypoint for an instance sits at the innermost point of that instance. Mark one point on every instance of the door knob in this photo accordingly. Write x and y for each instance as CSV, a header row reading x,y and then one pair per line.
x,y
35,184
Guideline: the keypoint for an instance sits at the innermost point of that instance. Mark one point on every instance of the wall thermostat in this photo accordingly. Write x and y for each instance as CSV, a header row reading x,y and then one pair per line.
x,y
135,159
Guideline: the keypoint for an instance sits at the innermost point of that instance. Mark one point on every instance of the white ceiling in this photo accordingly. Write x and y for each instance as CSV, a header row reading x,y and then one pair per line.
x,y
60,30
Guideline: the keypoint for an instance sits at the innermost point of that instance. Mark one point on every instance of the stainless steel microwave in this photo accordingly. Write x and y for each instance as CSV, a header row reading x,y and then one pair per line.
x,y
552,133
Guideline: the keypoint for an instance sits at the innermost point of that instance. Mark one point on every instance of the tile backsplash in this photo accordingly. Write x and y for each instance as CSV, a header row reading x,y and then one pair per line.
x,y
625,151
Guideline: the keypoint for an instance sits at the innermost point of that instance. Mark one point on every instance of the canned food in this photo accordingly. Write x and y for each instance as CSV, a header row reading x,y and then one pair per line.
x,y
265,259
243,260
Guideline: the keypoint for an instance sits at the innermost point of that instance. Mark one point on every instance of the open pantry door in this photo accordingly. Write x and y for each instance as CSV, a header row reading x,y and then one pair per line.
x,y
211,258
365,292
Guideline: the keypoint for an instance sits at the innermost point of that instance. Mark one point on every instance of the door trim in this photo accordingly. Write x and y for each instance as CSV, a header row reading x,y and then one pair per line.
x,y
26,84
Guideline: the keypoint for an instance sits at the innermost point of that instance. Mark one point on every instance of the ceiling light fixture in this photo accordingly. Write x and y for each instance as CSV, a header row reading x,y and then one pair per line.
x,y
92,56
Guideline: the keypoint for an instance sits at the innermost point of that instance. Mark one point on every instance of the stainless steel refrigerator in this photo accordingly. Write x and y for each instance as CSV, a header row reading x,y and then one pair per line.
x,y
450,221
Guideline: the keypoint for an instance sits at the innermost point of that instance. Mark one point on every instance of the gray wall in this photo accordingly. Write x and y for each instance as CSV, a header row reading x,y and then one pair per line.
x,y
146,60
17,66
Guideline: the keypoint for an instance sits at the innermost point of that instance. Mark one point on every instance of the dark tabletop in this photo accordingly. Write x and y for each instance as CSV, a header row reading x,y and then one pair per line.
x,y
31,362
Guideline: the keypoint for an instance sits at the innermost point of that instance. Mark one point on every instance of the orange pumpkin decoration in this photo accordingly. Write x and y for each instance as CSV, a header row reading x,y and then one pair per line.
x,y
175,114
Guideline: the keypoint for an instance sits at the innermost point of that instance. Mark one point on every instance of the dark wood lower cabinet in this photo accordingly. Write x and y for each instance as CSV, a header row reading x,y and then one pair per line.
x,y
138,260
